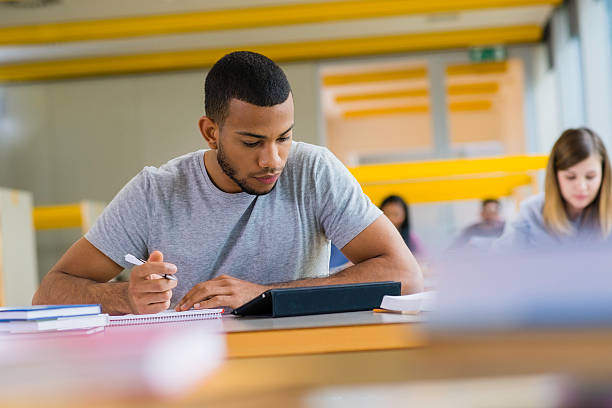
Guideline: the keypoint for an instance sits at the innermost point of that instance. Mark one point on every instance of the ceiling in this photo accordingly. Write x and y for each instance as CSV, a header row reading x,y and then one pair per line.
x,y
71,38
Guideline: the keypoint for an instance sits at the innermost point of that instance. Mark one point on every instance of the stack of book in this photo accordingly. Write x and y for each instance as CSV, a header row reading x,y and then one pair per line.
x,y
55,317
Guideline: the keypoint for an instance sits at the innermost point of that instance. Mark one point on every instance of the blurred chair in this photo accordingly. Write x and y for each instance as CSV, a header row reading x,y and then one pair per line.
x,y
18,264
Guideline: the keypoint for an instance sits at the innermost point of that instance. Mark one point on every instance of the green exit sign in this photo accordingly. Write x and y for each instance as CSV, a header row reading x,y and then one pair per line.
x,y
481,54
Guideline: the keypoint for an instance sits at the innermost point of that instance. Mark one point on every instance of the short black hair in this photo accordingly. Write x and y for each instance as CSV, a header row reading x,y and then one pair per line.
x,y
490,201
246,76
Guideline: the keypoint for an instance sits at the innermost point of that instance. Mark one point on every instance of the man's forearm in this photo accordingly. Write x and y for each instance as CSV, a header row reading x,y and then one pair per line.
x,y
371,270
62,288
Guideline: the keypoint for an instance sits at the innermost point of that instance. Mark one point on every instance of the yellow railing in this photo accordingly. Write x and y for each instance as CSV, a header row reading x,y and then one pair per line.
x,y
77,215
449,180
57,216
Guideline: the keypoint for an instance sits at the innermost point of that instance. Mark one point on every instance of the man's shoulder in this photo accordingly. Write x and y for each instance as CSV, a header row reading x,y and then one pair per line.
x,y
179,167
306,158
175,175
303,150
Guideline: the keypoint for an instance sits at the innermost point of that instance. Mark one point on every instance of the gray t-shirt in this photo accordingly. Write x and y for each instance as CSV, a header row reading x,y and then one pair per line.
x,y
205,232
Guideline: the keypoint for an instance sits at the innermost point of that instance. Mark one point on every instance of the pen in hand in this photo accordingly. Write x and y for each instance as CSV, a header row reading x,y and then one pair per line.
x,y
137,261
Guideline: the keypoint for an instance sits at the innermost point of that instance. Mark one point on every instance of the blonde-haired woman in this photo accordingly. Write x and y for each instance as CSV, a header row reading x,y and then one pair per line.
x,y
576,205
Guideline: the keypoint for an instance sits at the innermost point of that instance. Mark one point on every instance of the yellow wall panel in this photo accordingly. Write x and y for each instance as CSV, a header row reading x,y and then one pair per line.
x,y
479,68
375,76
404,93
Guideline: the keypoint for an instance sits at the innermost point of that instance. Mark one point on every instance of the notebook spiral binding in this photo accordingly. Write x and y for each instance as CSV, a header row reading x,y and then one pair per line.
x,y
161,318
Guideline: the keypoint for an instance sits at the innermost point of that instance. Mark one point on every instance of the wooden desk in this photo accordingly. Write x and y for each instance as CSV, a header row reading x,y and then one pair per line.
x,y
337,332
284,379
586,355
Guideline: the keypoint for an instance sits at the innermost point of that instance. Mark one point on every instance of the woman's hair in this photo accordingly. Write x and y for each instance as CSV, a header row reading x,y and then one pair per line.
x,y
404,229
572,147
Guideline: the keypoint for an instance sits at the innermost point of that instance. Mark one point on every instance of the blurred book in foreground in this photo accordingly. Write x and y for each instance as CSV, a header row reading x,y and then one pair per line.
x,y
544,391
161,361
543,288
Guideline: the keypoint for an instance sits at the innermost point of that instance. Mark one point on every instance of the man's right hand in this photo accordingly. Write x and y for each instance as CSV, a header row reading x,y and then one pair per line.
x,y
148,291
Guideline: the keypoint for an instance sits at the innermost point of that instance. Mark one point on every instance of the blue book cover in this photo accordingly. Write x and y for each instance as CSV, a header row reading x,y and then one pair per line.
x,y
60,323
47,311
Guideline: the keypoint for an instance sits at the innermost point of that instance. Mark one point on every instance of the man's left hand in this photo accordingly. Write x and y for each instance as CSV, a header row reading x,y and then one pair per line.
x,y
223,290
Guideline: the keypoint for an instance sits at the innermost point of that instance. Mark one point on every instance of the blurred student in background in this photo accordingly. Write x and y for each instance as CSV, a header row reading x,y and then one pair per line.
x,y
576,204
490,226
397,211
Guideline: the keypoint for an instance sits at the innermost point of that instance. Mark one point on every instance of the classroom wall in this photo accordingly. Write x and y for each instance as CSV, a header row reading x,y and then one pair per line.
x,y
400,137
351,138
66,141
70,140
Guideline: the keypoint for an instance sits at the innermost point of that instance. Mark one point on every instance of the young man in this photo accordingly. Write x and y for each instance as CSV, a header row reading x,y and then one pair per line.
x,y
254,212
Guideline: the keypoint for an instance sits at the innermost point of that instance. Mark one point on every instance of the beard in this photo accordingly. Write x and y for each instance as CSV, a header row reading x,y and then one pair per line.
x,y
231,173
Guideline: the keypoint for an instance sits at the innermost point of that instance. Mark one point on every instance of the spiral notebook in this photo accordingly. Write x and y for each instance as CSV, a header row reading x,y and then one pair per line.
x,y
165,316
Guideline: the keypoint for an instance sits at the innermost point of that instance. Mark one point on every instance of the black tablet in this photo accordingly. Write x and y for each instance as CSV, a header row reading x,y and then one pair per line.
x,y
319,299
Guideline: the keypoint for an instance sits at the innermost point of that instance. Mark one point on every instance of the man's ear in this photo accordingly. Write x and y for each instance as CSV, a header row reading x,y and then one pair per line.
x,y
210,131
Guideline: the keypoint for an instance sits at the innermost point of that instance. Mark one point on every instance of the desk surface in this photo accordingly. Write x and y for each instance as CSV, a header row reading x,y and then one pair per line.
x,y
232,324
336,332
325,333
